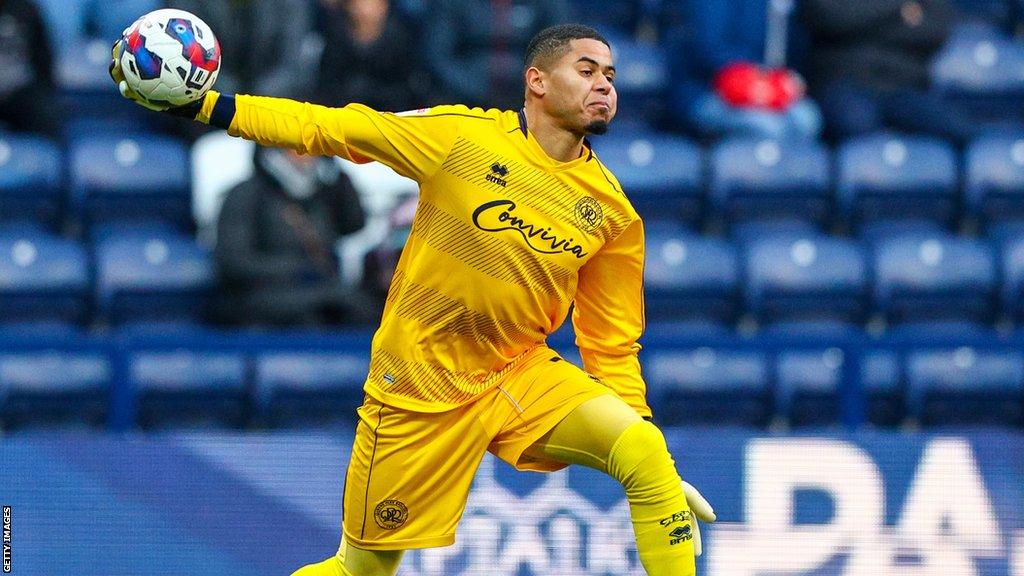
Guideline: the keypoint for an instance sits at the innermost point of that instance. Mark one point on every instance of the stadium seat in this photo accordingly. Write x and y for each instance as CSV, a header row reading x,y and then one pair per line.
x,y
925,277
189,388
994,179
966,386
884,176
130,178
755,179
881,381
748,231
311,388
819,277
661,174
30,180
62,387
808,386
979,63
152,278
641,77
1012,293
42,278
688,276
871,233
708,386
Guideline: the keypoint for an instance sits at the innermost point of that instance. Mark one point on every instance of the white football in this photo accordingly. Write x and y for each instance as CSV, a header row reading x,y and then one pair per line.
x,y
170,57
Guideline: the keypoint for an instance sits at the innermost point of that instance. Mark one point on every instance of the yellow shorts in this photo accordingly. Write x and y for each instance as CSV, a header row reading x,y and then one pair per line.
x,y
410,472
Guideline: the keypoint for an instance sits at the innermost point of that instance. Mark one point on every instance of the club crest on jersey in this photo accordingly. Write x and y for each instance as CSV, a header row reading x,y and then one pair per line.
x,y
497,175
498,215
588,214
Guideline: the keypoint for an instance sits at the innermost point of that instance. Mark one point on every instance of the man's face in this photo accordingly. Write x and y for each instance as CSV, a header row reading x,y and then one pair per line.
x,y
580,90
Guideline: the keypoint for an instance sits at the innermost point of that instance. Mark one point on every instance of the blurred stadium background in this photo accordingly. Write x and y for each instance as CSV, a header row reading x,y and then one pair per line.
x,y
835,345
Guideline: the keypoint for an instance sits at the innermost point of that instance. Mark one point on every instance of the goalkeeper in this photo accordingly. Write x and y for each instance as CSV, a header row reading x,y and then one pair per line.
x,y
518,220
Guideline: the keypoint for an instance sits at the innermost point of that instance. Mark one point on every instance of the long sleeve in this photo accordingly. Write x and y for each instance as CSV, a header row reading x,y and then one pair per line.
x,y
609,316
413,144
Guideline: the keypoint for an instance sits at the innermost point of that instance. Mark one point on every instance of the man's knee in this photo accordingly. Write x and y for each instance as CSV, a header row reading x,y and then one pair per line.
x,y
640,456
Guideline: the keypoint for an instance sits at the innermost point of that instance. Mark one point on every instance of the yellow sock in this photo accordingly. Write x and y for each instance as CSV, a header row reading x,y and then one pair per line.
x,y
661,517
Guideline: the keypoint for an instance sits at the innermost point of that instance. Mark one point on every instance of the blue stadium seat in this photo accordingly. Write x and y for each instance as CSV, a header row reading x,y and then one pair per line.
x,y
42,278
152,278
46,387
662,174
708,386
189,388
309,388
924,277
130,178
872,233
748,231
884,176
1012,260
881,381
994,179
688,276
811,277
808,386
641,77
966,386
30,179
974,63
755,179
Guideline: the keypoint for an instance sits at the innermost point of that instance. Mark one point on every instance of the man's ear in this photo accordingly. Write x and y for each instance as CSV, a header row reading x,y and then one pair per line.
x,y
536,82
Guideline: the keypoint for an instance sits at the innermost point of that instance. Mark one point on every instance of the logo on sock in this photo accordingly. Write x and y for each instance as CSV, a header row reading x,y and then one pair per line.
x,y
680,534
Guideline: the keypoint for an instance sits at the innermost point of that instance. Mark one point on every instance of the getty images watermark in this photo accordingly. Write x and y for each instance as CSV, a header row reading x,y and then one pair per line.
x,y
7,539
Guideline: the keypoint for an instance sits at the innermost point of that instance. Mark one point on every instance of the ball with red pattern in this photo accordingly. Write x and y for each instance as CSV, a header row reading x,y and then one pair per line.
x,y
170,57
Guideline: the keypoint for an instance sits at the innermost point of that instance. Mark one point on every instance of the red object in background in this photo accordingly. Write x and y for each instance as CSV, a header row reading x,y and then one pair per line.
x,y
787,88
747,85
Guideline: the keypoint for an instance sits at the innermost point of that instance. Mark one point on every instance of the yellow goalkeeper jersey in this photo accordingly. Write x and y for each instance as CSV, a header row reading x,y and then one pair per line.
x,y
505,239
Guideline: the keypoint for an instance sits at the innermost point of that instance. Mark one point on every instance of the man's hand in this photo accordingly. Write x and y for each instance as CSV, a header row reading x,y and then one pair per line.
x,y
701,510
118,76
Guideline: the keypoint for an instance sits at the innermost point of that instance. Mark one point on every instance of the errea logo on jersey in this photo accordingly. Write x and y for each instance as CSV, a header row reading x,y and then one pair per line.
x,y
497,175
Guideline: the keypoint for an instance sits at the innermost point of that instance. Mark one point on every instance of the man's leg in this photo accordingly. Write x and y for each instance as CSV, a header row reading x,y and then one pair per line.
x,y
606,434
355,562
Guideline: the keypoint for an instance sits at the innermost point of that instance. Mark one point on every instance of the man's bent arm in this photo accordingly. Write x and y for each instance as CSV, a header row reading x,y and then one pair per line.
x,y
608,316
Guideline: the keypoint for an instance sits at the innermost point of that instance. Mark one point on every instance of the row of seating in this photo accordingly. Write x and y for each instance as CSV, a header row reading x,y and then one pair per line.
x,y
154,273
128,274
870,179
867,179
240,380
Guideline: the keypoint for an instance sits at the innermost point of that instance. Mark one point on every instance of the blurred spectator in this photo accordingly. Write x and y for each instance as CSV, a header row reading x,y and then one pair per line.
x,y
277,235
380,262
27,100
371,58
869,67
732,58
268,46
475,47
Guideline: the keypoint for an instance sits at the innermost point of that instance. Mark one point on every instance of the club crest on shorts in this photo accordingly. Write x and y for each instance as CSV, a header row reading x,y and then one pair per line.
x,y
588,214
390,514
